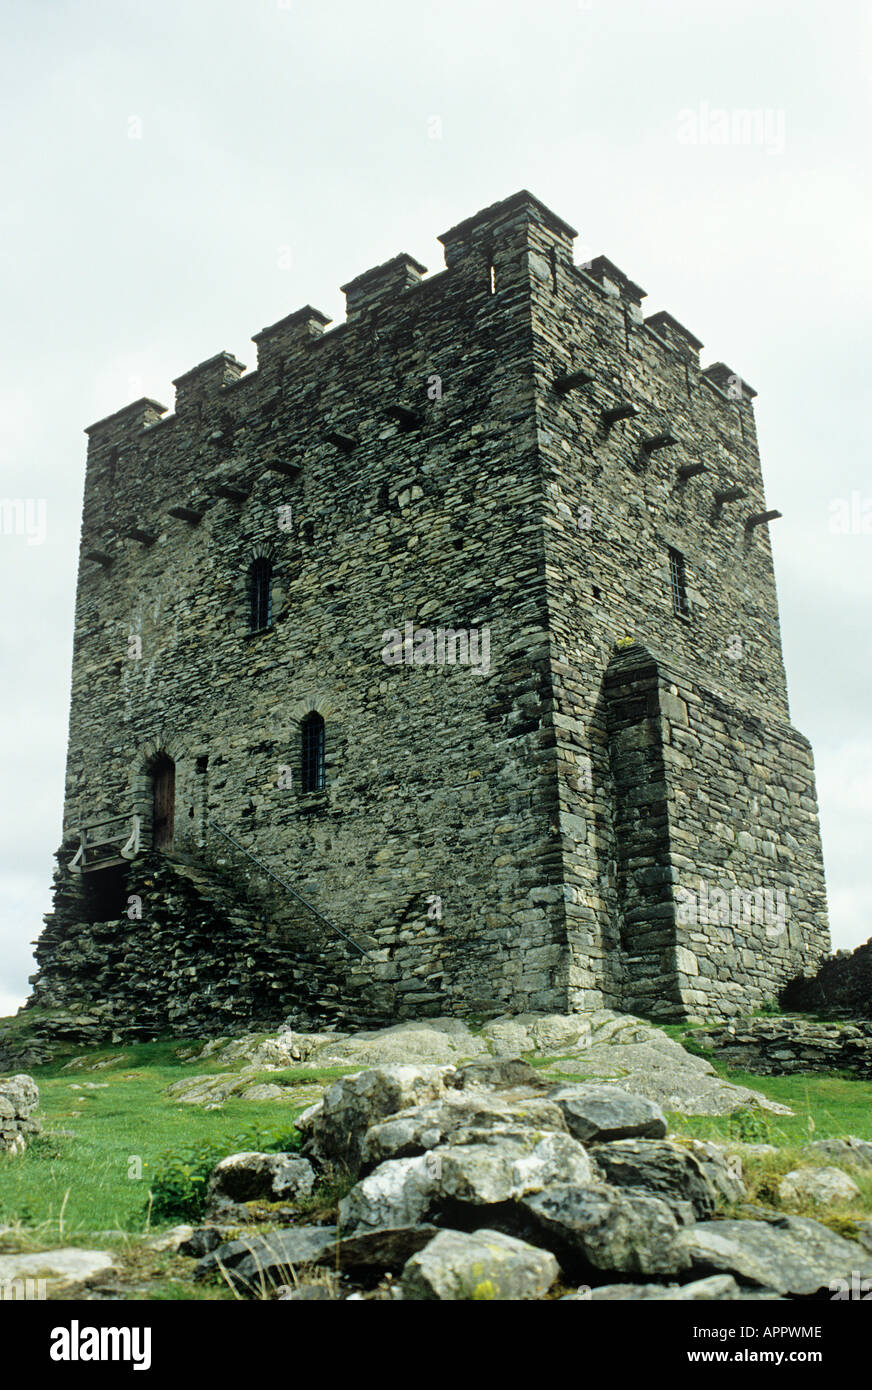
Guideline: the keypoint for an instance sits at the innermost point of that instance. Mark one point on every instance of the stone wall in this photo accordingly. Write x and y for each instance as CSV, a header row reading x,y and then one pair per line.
x,y
19,1097
781,1046
424,464
842,986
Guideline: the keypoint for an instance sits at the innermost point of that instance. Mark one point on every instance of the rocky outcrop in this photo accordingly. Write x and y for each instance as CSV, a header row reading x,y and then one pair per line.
x,y
19,1097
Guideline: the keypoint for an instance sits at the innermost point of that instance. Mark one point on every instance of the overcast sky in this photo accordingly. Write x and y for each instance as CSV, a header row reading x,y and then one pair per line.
x,y
179,173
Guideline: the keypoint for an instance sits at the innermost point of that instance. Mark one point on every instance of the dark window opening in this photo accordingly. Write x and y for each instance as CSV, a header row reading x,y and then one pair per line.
x,y
261,595
677,579
202,762
552,256
596,592
112,465
308,532
105,894
163,790
312,749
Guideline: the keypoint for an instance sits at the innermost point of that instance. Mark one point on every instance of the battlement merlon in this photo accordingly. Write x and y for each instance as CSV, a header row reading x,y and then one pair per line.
x,y
613,280
382,282
206,380
281,342
675,334
507,238
729,383
113,430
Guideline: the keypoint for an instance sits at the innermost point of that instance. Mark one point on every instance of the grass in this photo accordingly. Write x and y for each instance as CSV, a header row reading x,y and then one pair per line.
x,y
74,1188
71,1188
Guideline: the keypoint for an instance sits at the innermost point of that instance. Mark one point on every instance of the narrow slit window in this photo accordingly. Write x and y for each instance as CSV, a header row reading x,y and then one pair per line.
x,y
261,595
312,749
678,583
492,278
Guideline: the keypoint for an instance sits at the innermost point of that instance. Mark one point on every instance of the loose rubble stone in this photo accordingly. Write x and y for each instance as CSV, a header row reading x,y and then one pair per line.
x,y
262,1261
483,1265
270,1177
453,1117
19,1097
599,1113
402,1191
658,1166
823,1187
496,1074
60,1268
718,1286
335,1129
853,1151
792,1254
604,1228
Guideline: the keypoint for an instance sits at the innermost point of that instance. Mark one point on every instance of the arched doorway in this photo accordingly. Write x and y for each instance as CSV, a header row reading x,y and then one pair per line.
x,y
163,785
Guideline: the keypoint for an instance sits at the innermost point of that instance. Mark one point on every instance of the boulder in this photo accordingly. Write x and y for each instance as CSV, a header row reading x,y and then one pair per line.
x,y
791,1254
497,1074
659,1167
59,1268
269,1177
19,1097
597,1112
402,1191
602,1228
334,1129
722,1167
373,1252
717,1286
852,1151
822,1187
261,1262
452,1118
484,1265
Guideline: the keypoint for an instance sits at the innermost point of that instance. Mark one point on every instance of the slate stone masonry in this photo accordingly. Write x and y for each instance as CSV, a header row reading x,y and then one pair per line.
x,y
506,447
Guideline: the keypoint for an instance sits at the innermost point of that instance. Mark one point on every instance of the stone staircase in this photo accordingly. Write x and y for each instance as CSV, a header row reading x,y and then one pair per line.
x,y
206,951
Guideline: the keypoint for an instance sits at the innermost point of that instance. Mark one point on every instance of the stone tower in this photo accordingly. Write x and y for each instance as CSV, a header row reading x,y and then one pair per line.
x,y
460,618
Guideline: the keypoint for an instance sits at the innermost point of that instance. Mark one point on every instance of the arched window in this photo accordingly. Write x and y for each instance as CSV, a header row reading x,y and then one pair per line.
x,y
261,594
312,750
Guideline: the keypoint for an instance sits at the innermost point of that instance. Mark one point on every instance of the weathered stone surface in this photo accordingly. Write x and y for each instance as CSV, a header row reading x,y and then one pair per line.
x,y
270,1177
602,1227
716,1287
853,1152
643,1060
484,1265
496,1073
599,1113
403,1191
454,1117
822,1187
266,1261
19,1097
335,1129
791,1254
658,1166
782,1046
376,1250
65,1266
173,1240
722,1166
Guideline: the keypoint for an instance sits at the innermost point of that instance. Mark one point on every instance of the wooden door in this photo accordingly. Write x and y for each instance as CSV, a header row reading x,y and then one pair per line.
x,y
164,791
